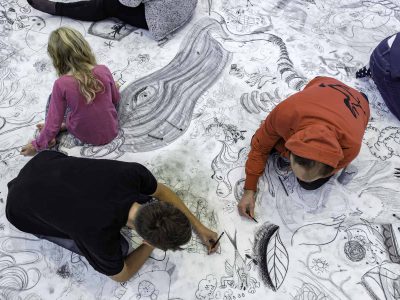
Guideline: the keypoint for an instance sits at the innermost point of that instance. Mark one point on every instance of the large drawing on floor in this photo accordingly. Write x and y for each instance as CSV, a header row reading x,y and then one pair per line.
x,y
189,108
157,109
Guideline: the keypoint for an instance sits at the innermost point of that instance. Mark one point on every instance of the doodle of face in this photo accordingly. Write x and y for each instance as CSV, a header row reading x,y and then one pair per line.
x,y
146,288
222,190
39,30
35,23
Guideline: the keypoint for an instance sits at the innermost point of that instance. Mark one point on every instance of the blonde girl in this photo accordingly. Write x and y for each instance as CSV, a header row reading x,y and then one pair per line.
x,y
84,96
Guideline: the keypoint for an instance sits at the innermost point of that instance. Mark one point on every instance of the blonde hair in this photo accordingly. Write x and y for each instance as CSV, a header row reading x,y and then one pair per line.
x,y
71,53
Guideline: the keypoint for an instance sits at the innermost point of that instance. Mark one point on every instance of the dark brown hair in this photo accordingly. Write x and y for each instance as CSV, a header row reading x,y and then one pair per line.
x,y
309,164
163,225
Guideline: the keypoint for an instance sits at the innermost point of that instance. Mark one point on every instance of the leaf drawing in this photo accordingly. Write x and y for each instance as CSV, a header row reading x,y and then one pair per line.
x,y
272,256
277,260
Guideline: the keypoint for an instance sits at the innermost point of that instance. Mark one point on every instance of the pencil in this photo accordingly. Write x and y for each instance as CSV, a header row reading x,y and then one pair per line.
x,y
287,194
216,242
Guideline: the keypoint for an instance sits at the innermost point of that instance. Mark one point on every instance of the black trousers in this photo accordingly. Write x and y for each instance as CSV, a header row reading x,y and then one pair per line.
x,y
71,246
96,10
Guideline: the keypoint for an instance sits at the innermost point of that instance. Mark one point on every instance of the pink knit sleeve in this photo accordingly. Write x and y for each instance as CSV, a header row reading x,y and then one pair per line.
x,y
54,119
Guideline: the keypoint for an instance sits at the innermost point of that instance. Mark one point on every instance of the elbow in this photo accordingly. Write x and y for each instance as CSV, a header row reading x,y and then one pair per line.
x,y
121,277
120,280
124,275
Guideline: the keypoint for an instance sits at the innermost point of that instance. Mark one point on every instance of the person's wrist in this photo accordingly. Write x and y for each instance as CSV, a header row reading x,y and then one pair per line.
x,y
249,192
149,246
200,228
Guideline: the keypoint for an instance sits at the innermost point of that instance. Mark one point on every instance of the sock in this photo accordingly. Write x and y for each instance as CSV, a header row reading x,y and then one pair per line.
x,y
363,72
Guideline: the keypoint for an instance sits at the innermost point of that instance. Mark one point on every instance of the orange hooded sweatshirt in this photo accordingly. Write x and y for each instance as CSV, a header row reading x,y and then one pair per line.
x,y
325,122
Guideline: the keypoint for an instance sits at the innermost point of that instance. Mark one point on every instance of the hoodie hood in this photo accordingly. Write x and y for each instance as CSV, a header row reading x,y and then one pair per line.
x,y
316,142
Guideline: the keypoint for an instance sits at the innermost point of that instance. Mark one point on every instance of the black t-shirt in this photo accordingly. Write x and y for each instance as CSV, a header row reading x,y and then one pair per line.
x,y
87,200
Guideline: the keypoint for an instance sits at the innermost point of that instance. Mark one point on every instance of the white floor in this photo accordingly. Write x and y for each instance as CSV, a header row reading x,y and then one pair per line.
x,y
217,78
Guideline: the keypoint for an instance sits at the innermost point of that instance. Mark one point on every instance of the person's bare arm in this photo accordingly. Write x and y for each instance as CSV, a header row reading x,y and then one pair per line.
x,y
133,262
164,193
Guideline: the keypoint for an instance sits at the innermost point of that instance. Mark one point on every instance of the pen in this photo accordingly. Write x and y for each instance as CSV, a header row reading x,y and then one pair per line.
x,y
248,213
216,242
253,218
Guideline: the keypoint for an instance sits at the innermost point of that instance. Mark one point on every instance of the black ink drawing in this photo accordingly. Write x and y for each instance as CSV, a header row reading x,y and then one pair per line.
x,y
199,207
258,102
150,120
109,44
229,133
391,242
119,73
364,241
317,233
152,282
383,144
285,66
272,257
64,271
248,19
12,129
239,189
238,272
10,17
162,107
382,282
348,26
157,109
11,92
17,269
43,65
354,251
111,29
319,265
224,163
228,159
310,291
291,201
335,64
374,243
280,167
330,279
206,288
147,290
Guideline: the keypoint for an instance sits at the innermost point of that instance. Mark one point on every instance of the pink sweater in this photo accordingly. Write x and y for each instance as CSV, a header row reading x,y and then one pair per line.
x,y
95,123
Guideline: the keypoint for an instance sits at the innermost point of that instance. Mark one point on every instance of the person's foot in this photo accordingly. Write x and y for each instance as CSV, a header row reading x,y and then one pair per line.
x,y
44,5
363,72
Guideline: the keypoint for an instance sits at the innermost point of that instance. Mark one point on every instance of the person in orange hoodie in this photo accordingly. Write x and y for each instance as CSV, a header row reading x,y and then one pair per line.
x,y
319,130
